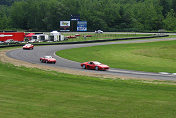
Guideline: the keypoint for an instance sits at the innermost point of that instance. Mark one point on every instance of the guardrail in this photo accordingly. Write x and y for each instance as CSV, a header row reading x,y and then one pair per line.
x,y
93,41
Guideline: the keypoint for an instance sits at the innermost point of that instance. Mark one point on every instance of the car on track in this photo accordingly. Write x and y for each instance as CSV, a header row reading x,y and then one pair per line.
x,y
94,65
28,46
33,41
69,37
1,42
11,41
98,31
77,35
88,35
48,59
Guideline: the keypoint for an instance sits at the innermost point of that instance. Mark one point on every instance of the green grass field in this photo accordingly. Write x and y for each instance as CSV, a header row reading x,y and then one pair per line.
x,y
152,57
34,93
96,36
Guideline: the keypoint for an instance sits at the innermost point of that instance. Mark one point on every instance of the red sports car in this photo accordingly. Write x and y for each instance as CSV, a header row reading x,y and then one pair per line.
x,y
71,37
77,35
28,46
48,59
94,65
88,35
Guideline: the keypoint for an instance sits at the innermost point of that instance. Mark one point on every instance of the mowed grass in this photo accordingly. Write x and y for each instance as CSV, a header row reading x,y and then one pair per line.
x,y
95,36
34,93
152,57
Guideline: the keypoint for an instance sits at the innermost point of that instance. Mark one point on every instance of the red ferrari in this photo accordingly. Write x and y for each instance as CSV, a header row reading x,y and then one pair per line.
x,y
28,46
71,37
88,35
77,35
48,59
94,65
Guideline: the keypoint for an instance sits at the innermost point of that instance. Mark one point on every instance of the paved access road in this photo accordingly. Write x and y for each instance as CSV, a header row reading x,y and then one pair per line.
x,y
33,56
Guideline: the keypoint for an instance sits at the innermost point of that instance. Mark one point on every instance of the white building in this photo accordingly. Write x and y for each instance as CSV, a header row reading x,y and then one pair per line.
x,y
55,36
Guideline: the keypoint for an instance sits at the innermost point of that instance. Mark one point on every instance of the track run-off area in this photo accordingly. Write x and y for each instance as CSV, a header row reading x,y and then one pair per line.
x,y
33,56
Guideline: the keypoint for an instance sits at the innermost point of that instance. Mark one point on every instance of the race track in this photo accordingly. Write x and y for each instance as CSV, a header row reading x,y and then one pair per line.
x,y
33,56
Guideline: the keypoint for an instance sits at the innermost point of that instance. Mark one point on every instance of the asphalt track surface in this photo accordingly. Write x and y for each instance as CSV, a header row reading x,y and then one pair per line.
x,y
34,55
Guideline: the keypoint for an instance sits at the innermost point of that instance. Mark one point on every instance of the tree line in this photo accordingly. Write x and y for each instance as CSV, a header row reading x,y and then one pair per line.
x,y
107,15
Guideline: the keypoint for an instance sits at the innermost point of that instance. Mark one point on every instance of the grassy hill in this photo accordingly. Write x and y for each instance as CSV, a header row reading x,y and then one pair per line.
x,y
34,93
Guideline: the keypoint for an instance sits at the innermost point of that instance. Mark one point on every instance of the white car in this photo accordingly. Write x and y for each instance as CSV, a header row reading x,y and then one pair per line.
x,y
32,41
99,31
1,42
11,41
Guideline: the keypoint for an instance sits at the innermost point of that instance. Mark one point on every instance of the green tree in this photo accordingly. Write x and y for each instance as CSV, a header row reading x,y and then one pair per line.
x,y
4,18
174,5
18,15
147,14
111,15
165,6
170,21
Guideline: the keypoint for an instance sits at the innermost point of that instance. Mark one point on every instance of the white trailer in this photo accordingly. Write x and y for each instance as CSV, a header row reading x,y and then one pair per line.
x,y
43,37
54,36
35,37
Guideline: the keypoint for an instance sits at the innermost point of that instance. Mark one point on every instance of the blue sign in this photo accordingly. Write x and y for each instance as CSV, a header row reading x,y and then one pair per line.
x,y
82,26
